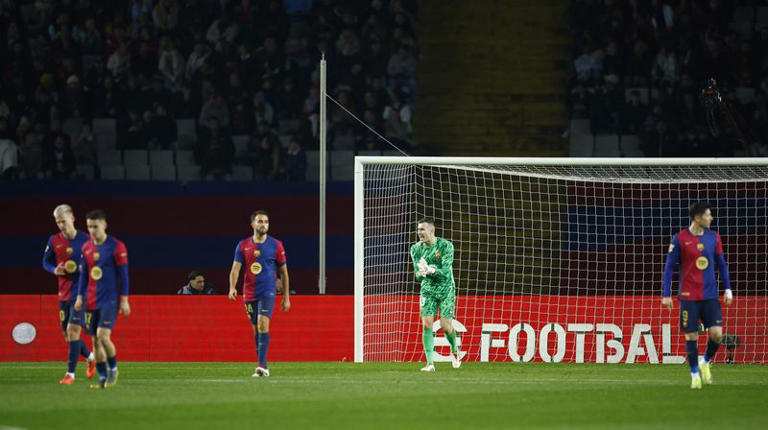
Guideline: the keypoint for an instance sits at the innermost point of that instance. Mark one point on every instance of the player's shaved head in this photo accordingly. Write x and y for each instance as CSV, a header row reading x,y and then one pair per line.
x,y
62,209
429,221
698,209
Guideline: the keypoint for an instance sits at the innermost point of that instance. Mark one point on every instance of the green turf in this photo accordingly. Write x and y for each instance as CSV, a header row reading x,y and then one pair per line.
x,y
385,395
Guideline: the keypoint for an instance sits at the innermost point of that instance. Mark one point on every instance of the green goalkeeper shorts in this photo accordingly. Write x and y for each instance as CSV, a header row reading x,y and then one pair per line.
x,y
431,302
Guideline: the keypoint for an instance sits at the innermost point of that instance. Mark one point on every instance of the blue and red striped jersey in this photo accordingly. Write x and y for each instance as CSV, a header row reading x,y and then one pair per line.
x,y
102,265
261,261
698,256
61,250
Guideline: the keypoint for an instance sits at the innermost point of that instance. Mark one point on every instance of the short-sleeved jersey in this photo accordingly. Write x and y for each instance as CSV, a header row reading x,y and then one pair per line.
x,y
440,255
260,261
100,264
698,256
61,250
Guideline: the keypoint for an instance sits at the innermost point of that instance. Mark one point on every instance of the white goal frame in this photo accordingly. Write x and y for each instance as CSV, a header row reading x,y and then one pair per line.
x,y
362,161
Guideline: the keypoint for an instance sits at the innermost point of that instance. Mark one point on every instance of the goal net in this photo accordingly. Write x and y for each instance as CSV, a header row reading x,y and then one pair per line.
x,y
556,260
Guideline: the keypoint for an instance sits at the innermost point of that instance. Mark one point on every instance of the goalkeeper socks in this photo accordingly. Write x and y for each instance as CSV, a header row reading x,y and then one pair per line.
x,y
263,347
112,362
84,349
692,352
101,367
428,338
451,337
712,348
74,349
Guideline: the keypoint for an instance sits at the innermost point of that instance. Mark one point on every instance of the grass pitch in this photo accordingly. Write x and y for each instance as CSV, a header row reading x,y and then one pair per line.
x,y
385,395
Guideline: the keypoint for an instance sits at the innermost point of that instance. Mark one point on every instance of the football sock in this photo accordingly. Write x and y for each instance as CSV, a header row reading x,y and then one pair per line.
x,y
84,349
74,349
452,339
712,347
263,346
101,367
428,338
256,342
112,362
692,352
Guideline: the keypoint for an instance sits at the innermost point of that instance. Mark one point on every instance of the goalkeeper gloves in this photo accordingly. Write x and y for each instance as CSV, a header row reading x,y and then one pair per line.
x,y
424,268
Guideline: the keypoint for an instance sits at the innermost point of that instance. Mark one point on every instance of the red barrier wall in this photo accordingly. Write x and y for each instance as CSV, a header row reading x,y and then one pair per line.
x,y
186,328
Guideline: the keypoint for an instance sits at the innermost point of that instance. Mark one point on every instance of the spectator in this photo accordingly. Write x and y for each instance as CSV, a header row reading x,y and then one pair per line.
x,y
85,147
196,285
9,153
397,120
59,163
215,108
119,63
402,69
634,114
264,152
132,133
165,15
215,151
294,162
222,29
31,157
162,131
171,65
197,59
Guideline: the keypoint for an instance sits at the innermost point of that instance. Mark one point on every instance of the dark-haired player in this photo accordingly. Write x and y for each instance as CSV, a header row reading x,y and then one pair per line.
x,y
103,289
60,258
699,250
262,255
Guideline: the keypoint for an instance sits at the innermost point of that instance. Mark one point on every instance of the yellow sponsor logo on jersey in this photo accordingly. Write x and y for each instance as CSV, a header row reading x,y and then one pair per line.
x,y
70,250
256,268
700,247
96,273
70,266
702,263
96,256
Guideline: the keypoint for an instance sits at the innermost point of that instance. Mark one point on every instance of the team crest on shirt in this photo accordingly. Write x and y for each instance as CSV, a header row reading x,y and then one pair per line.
x,y
70,266
96,256
256,252
700,246
702,263
70,250
96,273
256,268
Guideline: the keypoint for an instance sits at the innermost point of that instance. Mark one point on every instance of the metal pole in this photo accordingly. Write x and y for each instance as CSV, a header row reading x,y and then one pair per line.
x,y
323,171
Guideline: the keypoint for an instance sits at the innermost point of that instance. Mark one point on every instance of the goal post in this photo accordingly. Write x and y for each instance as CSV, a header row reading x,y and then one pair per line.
x,y
556,259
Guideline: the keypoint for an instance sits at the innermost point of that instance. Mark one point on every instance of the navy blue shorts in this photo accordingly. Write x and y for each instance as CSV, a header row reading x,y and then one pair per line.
x,y
263,305
75,317
708,311
104,317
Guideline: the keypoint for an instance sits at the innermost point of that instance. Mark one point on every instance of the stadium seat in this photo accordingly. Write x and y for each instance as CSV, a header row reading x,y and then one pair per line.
x,y
580,127
163,172
344,142
582,146
189,173
137,172
342,165
113,172
630,146
187,133
105,132
71,127
606,145
109,157
135,157
161,158
241,145
86,171
313,166
185,158
288,126
242,173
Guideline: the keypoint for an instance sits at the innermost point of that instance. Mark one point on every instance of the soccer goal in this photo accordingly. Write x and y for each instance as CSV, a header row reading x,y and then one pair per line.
x,y
556,259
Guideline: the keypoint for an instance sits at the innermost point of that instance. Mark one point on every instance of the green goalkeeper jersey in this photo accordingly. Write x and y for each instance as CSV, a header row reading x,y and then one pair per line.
x,y
440,255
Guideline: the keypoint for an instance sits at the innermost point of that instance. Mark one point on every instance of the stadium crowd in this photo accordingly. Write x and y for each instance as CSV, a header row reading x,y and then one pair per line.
x,y
238,67
640,66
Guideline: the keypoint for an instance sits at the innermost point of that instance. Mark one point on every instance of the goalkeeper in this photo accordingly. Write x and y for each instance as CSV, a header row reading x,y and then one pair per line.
x,y
433,263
